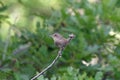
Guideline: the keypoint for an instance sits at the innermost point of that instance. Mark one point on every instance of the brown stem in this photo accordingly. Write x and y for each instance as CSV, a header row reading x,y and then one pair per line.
x,y
57,57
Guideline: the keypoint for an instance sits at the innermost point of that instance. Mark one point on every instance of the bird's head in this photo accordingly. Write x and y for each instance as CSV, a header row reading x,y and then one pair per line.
x,y
56,35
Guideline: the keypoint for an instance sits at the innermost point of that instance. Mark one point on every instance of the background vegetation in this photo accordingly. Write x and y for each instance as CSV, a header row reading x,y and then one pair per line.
x,y
26,48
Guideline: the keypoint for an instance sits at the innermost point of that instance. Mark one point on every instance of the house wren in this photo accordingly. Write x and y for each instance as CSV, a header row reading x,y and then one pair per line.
x,y
60,41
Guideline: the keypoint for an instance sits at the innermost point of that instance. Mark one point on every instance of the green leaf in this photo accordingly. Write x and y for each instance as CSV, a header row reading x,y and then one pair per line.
x,y
99,75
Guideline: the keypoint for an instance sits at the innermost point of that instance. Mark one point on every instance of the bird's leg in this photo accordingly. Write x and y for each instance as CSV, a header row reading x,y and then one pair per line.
x,y
60,51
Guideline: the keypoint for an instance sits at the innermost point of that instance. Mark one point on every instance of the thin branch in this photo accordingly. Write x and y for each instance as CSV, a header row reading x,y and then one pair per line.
x,y
6,44
22,48
57,57
8,39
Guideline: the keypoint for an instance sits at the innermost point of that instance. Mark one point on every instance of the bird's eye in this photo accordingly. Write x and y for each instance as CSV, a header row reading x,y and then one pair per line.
x,y
55,34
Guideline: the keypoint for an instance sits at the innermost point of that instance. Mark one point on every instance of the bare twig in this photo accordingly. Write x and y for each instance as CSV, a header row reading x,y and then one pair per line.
x,y
6,44
22,48
57,57
8,39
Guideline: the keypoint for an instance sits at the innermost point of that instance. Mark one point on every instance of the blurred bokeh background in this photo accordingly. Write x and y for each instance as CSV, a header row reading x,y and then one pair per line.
x,y
26,47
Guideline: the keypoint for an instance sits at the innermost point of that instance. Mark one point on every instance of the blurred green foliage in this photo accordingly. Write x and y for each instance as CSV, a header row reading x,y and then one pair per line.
x,y
26,47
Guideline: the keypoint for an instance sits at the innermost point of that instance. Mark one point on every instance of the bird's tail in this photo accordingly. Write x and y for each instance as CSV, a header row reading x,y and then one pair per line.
x,y
71,36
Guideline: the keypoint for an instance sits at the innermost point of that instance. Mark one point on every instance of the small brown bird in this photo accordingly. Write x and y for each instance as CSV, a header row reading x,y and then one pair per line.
x,y
60,41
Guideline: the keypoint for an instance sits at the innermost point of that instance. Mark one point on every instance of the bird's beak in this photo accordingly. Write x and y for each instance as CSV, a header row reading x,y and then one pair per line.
x,y
50,35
